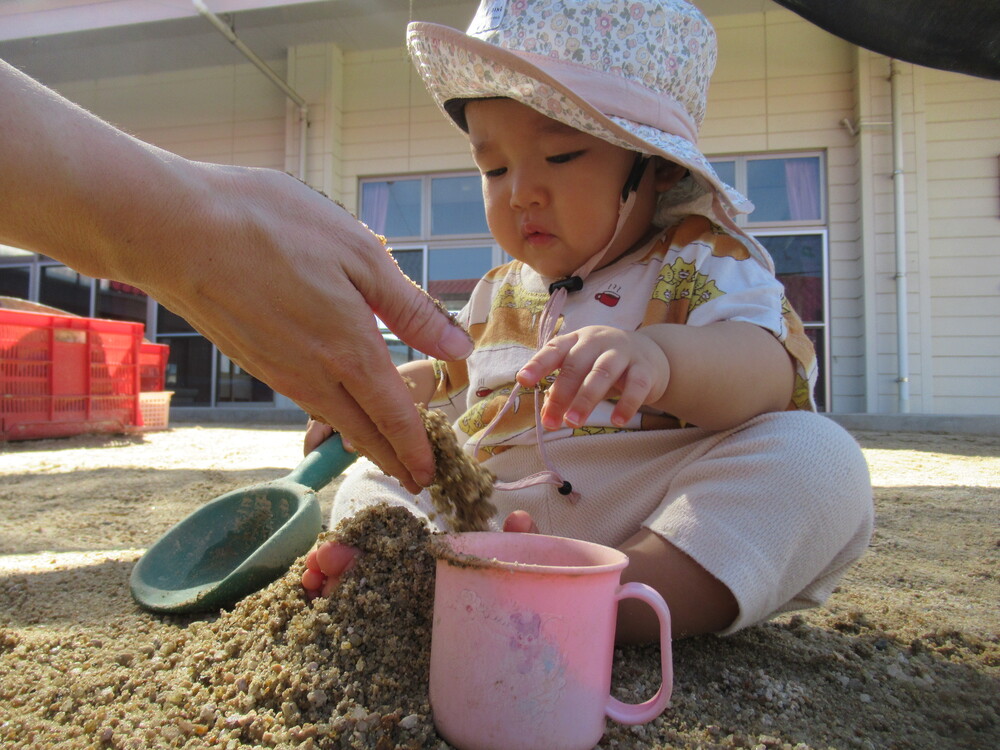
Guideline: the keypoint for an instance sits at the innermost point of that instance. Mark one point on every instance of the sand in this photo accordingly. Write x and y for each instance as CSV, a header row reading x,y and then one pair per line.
x,y
906,654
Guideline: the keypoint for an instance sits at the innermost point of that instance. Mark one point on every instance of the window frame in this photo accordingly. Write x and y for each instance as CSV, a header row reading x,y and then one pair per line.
x,y
824,325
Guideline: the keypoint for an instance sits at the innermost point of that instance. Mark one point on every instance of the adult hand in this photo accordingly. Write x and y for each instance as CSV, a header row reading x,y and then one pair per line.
x,y
280,278
286,287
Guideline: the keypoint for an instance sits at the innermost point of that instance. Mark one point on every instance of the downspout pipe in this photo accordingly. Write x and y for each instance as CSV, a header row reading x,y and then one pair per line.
x,y
899,210
266,69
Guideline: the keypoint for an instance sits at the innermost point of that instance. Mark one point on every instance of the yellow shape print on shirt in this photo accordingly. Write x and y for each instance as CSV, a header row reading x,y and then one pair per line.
x,y
682,288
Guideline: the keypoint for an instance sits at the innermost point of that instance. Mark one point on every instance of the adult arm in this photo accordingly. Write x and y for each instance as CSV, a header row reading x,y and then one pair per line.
x,y
281,279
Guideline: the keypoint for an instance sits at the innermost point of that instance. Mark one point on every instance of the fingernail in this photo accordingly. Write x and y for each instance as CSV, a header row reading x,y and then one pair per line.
x,y
455,343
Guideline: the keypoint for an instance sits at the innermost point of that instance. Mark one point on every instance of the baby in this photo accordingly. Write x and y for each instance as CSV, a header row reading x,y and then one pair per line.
x,y
638,378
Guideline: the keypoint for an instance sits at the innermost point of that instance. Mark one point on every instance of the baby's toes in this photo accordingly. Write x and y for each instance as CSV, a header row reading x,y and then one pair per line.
x,y
313,578
325,565
335,559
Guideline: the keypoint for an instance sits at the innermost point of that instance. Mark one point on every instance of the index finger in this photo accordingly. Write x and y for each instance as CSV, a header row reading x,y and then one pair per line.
x,y
377,414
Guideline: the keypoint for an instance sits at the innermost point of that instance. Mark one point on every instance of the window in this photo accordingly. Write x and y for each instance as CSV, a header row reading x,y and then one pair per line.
x,y
120,301
64,288
789,219
199,374
392,208
784,189
436,227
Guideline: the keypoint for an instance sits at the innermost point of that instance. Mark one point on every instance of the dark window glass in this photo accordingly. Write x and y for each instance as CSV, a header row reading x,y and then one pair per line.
x,y
65,289
169,322
120,301
236,385
457,206
798,262
411,262
14,281
392,209
189,370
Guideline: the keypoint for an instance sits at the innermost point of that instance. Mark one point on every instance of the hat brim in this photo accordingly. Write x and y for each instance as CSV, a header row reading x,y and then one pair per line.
x,y
456,67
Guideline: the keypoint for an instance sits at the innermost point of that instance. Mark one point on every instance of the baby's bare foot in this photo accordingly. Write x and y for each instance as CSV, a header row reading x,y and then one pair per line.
x,y
325,564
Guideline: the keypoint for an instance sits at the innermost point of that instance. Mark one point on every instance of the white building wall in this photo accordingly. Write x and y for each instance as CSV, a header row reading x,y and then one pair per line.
x,y
951,127
391,125
879,239
316,73
228,114
962,129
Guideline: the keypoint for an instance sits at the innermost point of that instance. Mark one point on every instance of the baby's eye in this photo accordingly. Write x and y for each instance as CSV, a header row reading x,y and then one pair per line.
x,y
563,158
498,172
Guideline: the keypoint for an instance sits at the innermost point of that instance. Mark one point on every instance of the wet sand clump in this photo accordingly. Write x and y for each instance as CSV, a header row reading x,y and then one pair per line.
x,y
462,486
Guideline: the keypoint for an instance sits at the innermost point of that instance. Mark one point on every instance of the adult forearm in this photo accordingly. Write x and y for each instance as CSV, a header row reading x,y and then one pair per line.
x,y
724,373
74,187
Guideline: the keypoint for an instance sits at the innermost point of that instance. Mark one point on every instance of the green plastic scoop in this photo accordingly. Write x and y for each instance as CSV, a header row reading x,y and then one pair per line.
x,y
240,541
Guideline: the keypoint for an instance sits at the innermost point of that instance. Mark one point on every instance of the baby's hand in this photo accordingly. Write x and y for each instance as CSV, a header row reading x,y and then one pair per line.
x,y
594,363
319,432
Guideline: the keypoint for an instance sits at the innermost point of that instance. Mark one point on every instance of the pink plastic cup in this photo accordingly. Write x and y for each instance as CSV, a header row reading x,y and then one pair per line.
x,y
523,640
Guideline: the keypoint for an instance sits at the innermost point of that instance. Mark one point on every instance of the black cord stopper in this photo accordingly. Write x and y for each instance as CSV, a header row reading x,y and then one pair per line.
x,y
570,284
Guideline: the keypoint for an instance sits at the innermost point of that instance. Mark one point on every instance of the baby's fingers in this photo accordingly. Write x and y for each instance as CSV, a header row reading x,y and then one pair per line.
x,y
581,395
543,362
634,388
316,432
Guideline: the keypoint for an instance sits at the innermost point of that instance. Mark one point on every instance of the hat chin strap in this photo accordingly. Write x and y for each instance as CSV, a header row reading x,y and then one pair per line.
x,y
549,319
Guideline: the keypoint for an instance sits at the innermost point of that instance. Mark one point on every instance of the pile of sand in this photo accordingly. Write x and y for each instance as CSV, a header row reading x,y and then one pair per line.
x,y
275,671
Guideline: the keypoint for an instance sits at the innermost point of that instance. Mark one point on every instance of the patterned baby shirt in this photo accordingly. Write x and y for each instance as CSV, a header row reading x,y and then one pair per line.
x,y
692,273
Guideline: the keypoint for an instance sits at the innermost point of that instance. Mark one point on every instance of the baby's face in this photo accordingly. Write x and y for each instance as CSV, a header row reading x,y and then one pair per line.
x,y
552,192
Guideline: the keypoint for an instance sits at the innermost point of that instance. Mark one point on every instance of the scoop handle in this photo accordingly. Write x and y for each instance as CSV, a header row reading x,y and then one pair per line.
x,y
323,464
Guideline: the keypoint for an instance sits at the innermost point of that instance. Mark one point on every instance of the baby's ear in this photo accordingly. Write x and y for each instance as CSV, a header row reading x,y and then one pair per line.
x,y
666,174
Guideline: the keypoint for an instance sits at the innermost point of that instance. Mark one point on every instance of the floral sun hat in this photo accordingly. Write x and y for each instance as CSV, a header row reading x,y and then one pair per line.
x,y
634,73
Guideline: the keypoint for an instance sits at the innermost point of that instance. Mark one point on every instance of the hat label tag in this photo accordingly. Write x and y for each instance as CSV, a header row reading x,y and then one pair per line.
x,y
489,17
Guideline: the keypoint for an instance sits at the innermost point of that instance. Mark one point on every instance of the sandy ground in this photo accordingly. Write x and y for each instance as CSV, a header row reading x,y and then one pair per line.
x,y
905,655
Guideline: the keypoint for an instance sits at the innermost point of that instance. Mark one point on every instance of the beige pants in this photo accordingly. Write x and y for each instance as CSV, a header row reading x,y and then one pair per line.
x,y
776,509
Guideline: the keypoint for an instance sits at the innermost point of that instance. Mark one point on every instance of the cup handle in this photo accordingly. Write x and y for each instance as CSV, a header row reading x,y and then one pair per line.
x,y
640,713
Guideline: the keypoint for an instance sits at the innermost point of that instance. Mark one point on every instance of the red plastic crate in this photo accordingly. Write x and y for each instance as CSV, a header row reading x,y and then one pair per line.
x,y
63,375
153,366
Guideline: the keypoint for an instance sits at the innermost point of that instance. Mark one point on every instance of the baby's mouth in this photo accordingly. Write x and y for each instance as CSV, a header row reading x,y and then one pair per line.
x,y
535,235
